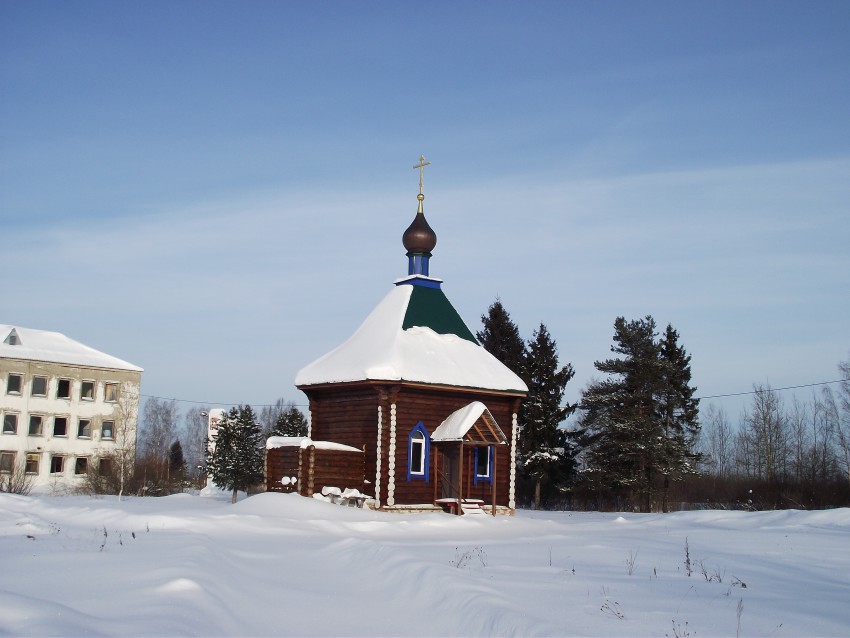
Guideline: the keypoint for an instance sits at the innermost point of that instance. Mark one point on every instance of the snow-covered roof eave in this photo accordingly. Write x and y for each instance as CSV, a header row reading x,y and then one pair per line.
x,y
54,347
409,382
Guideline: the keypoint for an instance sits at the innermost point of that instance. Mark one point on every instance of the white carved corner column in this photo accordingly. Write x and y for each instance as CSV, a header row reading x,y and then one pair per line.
x,y
514,442
391,459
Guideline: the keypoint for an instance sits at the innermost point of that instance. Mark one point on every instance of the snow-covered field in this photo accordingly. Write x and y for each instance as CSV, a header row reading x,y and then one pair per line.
x,y
278,564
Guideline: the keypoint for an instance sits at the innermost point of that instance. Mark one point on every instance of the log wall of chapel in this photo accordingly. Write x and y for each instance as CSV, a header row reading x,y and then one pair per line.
x,y
350,415
431,407
346,415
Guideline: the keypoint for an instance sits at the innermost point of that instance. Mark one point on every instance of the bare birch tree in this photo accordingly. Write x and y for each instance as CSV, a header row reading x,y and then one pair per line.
x,y
717,442
123,456
767,428
800,440
195,426
826,451
158,433
843,417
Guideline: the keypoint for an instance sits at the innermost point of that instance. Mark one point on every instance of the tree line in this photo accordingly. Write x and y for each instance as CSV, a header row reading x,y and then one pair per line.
x,y
171,453
637,440
779,454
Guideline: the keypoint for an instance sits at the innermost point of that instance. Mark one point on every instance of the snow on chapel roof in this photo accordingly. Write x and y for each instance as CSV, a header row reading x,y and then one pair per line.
x,y
383,350
29,344
414,334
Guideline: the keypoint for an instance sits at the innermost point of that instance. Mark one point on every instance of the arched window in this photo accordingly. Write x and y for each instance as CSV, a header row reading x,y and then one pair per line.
x,y
418,453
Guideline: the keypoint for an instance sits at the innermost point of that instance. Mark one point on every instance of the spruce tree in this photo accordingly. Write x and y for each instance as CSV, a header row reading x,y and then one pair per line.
x,y
236,459
546,456
678,411
290,422
500,337
640,421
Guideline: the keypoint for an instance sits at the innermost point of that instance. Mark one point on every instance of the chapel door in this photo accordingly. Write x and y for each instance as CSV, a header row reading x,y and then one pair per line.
x,y
450,470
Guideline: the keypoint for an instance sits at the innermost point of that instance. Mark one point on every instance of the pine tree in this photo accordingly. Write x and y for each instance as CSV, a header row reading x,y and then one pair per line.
x,y
500,337
236,459
545,454
620,433
640,421
290,422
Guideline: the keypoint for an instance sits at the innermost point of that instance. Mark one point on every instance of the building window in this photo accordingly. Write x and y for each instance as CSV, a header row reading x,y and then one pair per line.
x,y
63,389
36,425
81,466
39,386
60,426
14,383
84,429
418,451
107,430
110,392
87,391
10,423
7,462
57,464
483,461
31,466
104,467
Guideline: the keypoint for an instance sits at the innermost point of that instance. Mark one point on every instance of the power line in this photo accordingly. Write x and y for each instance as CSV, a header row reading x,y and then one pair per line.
x,y
205,403
790,387
711,396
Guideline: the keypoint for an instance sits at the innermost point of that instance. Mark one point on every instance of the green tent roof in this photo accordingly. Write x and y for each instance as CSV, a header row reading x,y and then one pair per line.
x,y
430,308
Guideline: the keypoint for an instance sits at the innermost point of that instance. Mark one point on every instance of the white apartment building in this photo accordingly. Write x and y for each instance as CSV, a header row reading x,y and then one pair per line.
x,y
65,409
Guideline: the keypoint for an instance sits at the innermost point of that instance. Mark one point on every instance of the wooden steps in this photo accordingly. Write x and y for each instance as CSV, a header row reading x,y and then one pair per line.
x,y
472,506
467,506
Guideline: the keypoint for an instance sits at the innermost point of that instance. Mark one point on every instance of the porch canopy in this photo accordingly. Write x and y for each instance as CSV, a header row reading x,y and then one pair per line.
x,y
473,423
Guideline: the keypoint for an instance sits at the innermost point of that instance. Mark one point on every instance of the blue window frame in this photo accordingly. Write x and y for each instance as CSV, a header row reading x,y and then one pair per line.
x,y
418,453
483,465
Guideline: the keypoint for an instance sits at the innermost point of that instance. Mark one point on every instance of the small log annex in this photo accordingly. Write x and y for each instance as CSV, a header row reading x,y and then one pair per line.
x,y
304,466
434,413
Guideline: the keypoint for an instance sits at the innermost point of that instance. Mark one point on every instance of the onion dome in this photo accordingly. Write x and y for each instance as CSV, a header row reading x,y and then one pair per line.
x,y
419,236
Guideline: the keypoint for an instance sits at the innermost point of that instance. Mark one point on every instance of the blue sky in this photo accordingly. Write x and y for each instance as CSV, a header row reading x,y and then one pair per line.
x,y
216,191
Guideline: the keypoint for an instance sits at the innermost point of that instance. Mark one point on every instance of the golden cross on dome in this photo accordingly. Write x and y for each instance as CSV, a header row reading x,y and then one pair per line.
x,y
421,166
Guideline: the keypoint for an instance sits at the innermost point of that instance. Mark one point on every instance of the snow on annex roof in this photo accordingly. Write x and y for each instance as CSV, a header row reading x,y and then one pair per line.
x,y
383,349
304,442
29,344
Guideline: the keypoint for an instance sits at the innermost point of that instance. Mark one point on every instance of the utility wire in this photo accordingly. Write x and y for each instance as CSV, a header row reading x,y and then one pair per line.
x,y
790,387
205,403
711,396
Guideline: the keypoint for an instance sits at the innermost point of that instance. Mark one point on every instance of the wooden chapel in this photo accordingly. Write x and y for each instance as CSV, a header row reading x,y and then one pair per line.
x,y
434,413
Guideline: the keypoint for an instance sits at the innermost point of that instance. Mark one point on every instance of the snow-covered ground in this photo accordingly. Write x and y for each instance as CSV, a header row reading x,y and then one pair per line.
x,y
278,564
